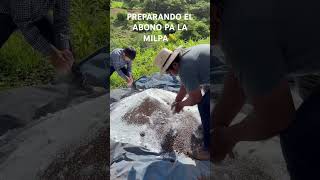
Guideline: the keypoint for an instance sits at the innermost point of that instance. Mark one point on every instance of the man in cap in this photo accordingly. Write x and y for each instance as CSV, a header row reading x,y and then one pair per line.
x,y
192,65
49,34
121,61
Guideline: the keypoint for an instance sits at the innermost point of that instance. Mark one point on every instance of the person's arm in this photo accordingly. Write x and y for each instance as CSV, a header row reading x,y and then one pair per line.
x,y
194,98
61,23
115,59
130,69
231,102
121,74
181,94
273,113
20,12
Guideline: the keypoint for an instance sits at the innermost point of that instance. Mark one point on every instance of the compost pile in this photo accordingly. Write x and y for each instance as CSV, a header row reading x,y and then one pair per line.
x,y
158,117
148,116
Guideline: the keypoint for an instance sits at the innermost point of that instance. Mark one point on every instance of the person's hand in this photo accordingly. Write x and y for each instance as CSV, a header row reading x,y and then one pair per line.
x,y
173,105
176,107
67,54
222,143
129,81
61,61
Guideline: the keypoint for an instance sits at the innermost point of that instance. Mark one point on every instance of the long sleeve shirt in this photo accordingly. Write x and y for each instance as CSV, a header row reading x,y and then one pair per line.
x,y
25,12
117,61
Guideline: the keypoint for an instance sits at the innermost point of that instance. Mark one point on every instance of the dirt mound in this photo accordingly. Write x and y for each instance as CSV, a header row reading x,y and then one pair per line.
x,y
141,114
184,141
159,118
178,138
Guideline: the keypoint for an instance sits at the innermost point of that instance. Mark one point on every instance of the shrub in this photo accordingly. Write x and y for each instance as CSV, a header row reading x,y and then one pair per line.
x,y
165,6
122,16
201,9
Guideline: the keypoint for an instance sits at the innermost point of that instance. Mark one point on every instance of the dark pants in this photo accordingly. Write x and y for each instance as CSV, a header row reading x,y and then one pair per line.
x,y
204,110
124,70
45,26
301,141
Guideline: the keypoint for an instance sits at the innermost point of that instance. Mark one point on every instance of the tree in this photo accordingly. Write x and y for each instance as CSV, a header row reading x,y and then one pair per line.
x,y
201,9
165,6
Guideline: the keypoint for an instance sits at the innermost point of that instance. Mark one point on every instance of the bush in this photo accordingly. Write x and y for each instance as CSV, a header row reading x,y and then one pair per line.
x,y
134,4
197,30
201,9
122,16
165,6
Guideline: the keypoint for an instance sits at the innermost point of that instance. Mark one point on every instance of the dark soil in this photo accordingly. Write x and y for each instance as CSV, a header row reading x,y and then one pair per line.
x,y
183,141
168,141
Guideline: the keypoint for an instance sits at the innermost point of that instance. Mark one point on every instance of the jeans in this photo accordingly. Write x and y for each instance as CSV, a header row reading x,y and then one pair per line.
x,y
204,110
300,141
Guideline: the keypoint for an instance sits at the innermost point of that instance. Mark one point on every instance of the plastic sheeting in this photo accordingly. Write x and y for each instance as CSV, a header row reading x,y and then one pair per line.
x,y
34,102
166,82
95,68
133,162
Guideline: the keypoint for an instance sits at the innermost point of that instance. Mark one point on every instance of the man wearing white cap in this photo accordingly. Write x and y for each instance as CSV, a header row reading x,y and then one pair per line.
x,y
193,67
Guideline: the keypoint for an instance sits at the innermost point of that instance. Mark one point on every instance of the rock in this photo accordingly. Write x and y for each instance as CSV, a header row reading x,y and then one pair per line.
x,y
142,133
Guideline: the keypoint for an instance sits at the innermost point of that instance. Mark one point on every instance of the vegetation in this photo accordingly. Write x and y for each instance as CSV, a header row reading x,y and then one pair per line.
x,y
20,65
123,36
116,4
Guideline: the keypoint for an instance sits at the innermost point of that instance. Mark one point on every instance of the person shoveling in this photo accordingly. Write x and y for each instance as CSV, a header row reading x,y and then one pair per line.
x,y
121,61
48,33
193,67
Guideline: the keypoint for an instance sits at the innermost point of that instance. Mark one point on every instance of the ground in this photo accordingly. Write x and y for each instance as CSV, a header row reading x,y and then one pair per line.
x,y
89,161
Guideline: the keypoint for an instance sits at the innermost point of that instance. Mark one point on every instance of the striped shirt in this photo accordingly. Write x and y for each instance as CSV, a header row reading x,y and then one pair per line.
x,y
117,61
25,12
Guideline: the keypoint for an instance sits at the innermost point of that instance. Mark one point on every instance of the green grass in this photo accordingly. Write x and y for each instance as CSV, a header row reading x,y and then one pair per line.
x,y
116,4
20,65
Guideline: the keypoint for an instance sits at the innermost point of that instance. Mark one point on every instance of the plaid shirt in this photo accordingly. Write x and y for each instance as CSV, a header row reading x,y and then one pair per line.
x,y
118,62
25,12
